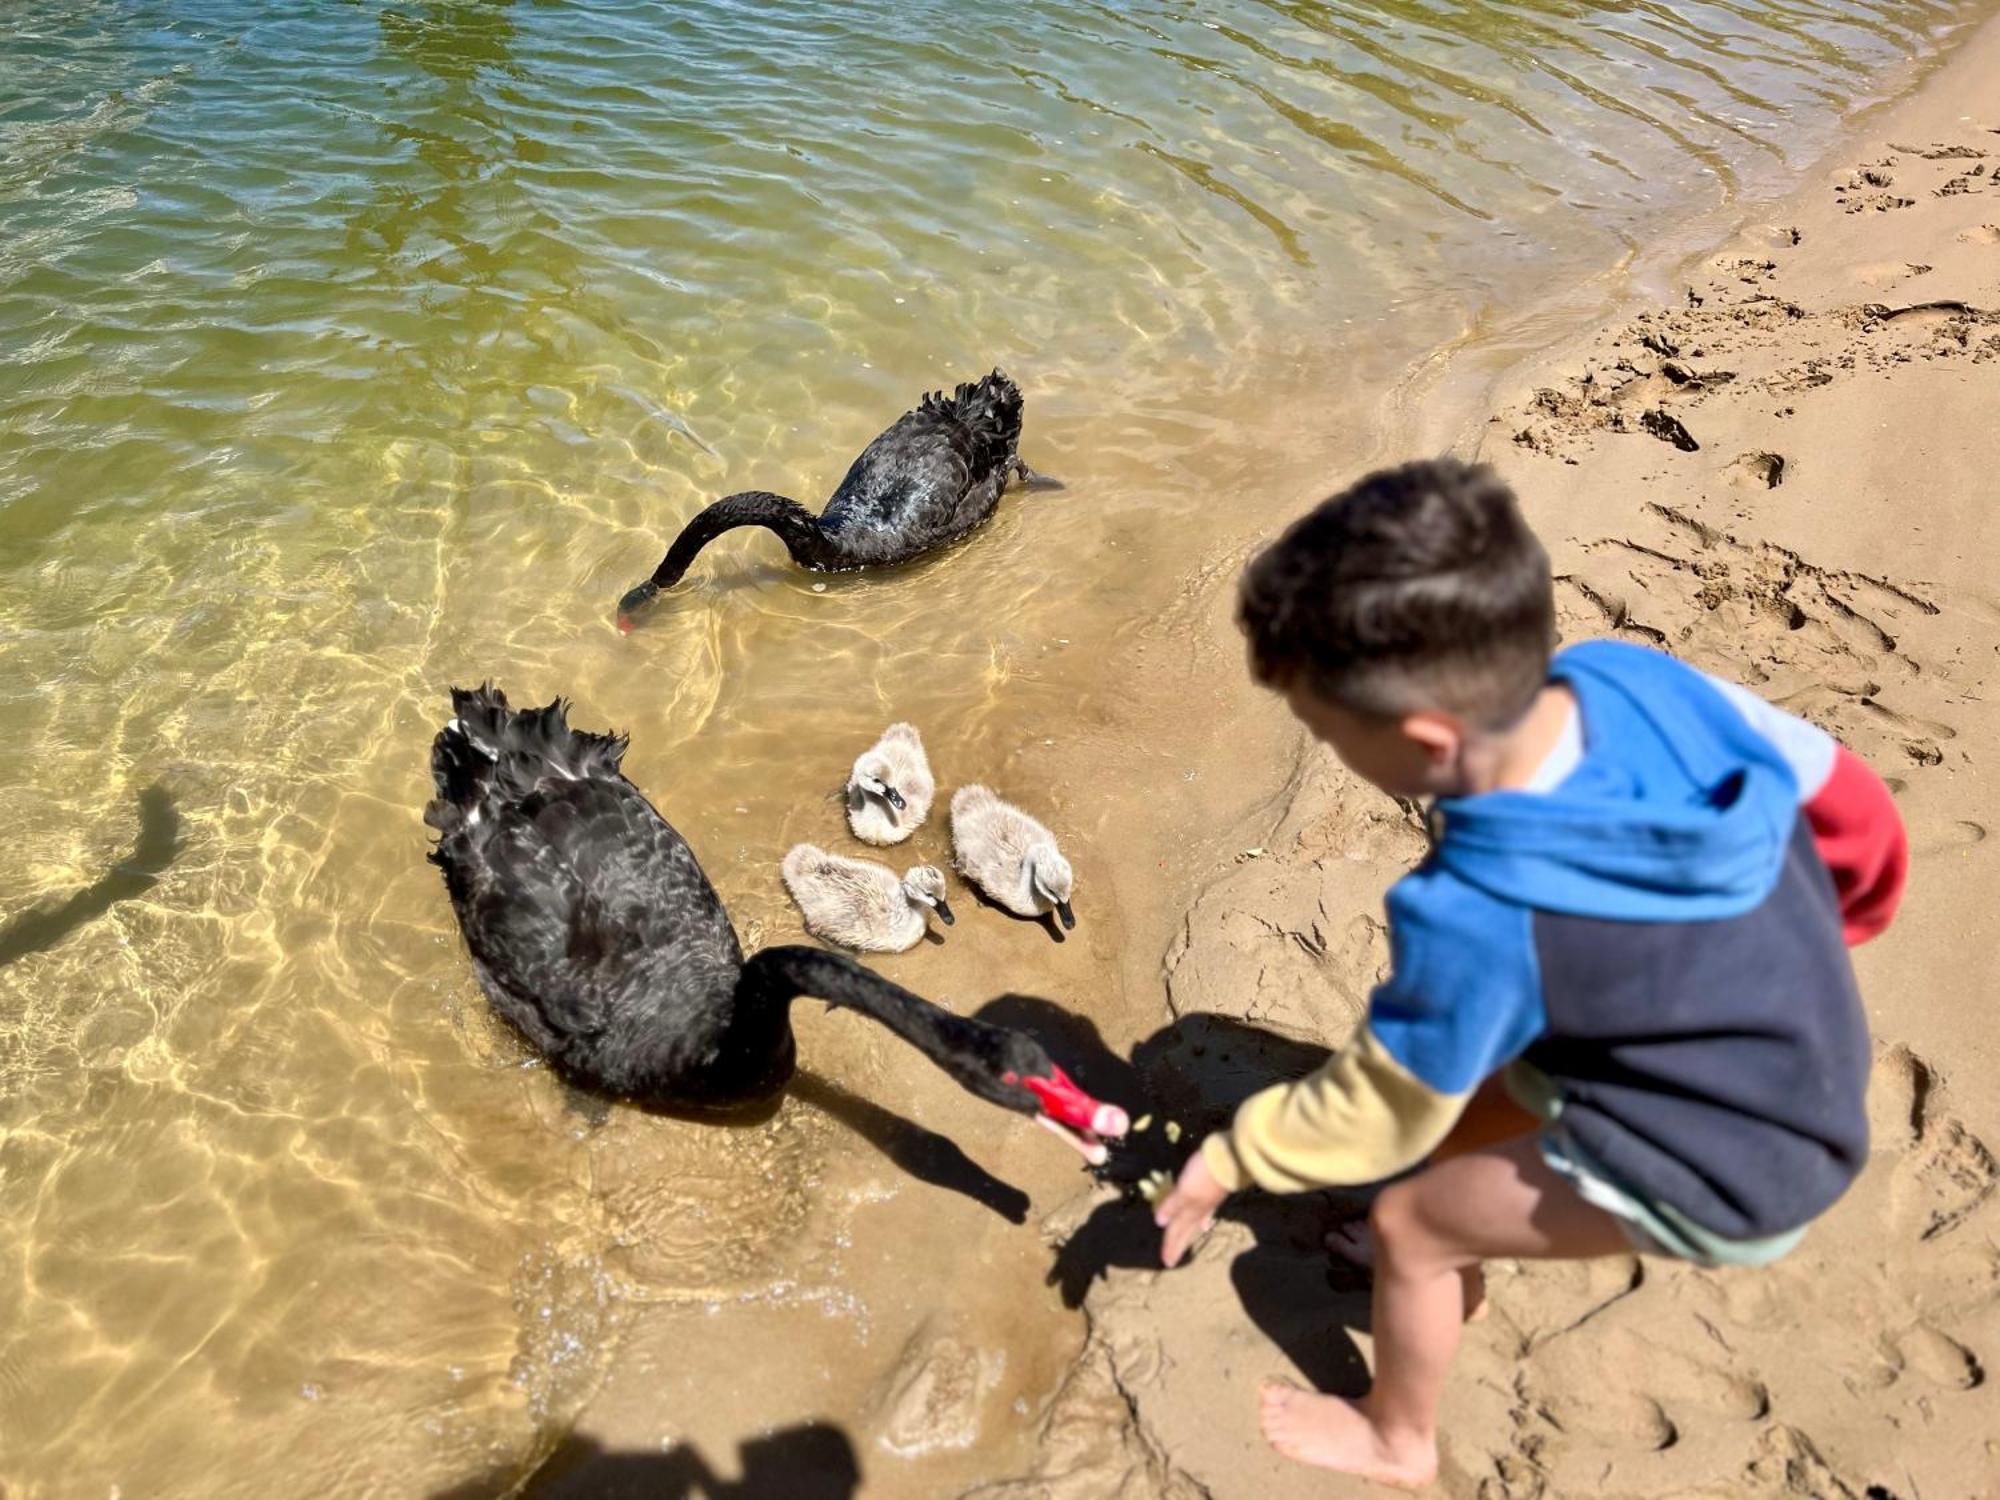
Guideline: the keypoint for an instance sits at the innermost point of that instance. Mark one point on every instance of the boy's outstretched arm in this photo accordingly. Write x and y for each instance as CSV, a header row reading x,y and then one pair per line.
x,y
1460,1001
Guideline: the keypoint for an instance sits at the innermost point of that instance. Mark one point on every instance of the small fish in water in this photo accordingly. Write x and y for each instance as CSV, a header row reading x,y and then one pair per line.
x,y
1144,1122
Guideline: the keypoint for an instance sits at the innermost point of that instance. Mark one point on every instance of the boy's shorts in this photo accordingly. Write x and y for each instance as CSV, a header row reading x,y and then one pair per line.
x,y
1653,1228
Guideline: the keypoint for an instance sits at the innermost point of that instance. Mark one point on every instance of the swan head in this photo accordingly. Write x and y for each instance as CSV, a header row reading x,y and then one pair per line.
x,y
1052,880
635,600
871,779
1033,1084
925,886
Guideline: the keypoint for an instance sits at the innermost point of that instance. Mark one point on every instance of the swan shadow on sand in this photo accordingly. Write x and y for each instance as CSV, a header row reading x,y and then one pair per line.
x,y
933,1159
813,1461
159,841
1196,1071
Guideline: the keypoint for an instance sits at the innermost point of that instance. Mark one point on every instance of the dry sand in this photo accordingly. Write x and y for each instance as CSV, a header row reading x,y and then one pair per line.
x,y
1781,472
1785,473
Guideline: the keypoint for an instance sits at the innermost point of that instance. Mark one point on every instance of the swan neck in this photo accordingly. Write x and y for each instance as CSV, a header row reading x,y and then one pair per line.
x,y
963,1047
797,527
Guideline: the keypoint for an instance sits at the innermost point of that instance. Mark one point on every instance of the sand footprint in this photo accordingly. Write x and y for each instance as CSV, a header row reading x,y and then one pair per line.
x,y
1619,1390
1944,1173
1985,234
1899,1092
1940,1359
1757,470
1888,273
1959,836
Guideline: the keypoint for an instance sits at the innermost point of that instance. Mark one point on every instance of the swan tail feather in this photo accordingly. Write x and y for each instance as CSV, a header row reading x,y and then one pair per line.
x,y
989,412
489,746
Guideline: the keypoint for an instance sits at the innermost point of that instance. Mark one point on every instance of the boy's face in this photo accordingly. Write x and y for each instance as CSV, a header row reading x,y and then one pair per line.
x,y
1418,755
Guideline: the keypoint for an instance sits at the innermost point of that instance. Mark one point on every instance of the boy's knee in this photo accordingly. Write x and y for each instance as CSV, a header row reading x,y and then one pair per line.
x,y
1394,1219
1403,1234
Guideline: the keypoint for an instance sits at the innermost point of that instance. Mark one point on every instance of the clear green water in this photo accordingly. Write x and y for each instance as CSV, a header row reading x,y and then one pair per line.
x,y
349,350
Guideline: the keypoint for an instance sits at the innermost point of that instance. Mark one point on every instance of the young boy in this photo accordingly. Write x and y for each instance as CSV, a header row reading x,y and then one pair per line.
x,y
1634,913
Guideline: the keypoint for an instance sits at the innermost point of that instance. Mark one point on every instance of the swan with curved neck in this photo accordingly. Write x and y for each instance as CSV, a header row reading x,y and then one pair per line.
x,y
933,476
595,932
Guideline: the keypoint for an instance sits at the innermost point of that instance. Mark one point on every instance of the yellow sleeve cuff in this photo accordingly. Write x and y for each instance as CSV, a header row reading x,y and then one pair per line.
x,y
1223,1166
1360,1118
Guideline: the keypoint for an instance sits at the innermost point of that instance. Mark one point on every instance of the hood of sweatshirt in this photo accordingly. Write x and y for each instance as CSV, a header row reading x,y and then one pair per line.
x,y
1679,811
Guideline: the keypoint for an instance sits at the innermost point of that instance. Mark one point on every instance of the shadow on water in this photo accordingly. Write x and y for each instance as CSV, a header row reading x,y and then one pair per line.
x,y
924,1154
159,841
1194,1073
814,1461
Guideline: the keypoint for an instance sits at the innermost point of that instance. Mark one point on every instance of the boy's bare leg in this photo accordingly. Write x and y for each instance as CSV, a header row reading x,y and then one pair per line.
x,y
1491,1116
1499,1200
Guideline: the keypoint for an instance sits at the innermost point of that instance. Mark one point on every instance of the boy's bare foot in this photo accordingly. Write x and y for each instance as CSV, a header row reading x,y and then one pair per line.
x,y
1354,1242
1334,1434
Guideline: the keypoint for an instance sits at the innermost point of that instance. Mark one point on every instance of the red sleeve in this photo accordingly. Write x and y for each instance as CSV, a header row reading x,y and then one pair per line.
x,y
1860,836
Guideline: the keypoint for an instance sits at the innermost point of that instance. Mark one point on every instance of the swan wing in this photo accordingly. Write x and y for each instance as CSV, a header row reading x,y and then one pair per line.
x,y
988,843
584,905
934,475
906,487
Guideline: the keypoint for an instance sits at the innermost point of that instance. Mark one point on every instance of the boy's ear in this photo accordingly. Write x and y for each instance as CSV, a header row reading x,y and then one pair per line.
x,y
1438,734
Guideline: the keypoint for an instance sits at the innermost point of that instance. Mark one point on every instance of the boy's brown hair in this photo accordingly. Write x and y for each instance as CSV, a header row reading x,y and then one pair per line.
x,y
1418,587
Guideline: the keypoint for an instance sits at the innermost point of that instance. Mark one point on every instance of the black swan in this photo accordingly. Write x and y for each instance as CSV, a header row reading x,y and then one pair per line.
x,y
594,931
931,478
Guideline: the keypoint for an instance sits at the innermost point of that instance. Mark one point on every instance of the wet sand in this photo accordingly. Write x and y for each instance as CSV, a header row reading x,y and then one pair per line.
x,y
1778,462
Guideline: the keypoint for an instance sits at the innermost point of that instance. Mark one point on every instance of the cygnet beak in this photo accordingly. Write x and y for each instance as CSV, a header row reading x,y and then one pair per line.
x,y
1068,916
893,797
943,910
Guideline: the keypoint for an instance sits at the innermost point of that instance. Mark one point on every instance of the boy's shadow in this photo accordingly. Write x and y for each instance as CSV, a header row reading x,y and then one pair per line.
x,y
1194,1073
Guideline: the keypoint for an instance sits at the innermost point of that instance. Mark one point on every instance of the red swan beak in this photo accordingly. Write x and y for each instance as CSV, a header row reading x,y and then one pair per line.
x,y
1080,1121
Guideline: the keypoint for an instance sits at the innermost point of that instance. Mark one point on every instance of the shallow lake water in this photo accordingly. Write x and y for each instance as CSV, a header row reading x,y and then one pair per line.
x,y
351,351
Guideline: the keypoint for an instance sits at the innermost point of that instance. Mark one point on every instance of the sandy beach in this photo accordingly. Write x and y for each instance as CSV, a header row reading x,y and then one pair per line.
x,y
1781,471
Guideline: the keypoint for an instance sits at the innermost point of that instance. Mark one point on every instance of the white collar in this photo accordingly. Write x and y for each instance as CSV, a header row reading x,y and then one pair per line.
x,y
1564,756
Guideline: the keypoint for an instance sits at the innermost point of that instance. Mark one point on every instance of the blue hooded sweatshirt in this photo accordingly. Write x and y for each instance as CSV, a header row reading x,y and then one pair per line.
x,y
1656,934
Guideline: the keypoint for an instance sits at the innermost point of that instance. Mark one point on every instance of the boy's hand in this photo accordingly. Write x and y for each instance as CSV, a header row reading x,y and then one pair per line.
x,y
1188,1209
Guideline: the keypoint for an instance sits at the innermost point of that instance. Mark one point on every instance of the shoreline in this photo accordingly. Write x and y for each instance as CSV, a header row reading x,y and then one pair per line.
x,y
1781,548
1291,924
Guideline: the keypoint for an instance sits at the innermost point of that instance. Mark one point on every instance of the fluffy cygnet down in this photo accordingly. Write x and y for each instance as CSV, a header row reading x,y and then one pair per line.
x,y
859,904
890,789
1009,856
